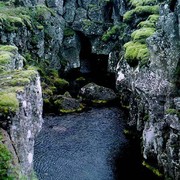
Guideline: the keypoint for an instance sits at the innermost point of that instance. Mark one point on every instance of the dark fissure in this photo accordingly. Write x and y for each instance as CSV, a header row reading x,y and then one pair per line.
x,y
108,10
93,67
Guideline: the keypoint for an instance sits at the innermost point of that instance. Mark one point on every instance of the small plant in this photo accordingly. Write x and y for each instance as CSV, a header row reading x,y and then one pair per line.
x,y
117,30
112,31
171,111
68,32
153,169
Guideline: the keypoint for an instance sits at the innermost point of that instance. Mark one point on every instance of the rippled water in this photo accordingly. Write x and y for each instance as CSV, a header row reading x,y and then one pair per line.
x,y
79,146
88,146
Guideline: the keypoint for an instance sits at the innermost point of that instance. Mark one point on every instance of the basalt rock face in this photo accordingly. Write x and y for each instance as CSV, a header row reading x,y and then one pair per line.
x,y
27,123
20,111
154,94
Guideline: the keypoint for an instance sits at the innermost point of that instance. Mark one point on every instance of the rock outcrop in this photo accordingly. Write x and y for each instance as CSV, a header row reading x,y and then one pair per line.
x,y
20,109
97,94
153,91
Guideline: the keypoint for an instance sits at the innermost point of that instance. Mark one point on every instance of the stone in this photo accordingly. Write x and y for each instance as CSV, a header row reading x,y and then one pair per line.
x,y
66,104
97,94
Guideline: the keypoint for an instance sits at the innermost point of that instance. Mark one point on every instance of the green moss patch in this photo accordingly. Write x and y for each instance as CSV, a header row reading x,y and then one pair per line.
x,y
142,34
69,32
117,30
140,11
99,101
5,57
150,22
8,102
112,31
12,18
10,84
5,161
136,3
136,52
66,111
8,48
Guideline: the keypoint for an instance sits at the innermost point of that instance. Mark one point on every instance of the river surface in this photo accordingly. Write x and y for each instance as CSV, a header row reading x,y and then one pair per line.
x,y
85,146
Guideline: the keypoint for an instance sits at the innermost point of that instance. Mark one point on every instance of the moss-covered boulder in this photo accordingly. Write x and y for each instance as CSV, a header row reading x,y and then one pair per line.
x,y
97,94
66,104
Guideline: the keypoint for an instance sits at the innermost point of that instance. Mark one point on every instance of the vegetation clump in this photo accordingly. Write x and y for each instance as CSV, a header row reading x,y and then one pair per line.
x,y
136,3
150,22
142,34
140,11
69,32
5,161
136,50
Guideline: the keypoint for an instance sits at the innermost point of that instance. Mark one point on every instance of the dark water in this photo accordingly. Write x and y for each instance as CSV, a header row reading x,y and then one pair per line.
x,y
86,146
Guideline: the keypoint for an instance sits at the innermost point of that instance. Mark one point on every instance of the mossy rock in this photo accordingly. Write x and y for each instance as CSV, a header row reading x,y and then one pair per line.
x,y
150,22
5,57
61,83
143,11
5,161
9,48
67,104
135,53
116,30
172,111
98,101
80,79
11,83
142,34
110,32
136,3
8,102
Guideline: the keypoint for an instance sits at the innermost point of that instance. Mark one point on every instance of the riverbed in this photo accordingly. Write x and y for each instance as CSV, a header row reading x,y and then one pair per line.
x,y
86,146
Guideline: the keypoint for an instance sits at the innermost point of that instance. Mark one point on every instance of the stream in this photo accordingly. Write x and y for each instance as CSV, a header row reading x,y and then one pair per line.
x,y
87,146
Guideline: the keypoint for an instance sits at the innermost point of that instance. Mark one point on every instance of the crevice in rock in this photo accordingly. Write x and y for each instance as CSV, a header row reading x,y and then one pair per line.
x,y
177,80
93,68
108,11
172,5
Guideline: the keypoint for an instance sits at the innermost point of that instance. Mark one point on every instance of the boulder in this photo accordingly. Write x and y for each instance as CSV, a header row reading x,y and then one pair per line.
x,y
97,94
66,104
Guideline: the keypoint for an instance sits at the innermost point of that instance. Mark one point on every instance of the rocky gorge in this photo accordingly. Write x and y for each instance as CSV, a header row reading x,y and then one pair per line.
x,y
57,56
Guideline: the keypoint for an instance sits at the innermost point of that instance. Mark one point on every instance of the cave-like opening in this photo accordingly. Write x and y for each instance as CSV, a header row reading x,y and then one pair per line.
x,y
94,66
108,11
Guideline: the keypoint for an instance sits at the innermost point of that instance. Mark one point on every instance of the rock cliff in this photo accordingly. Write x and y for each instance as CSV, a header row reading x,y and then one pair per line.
x,y
153,93
20,113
